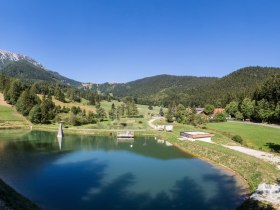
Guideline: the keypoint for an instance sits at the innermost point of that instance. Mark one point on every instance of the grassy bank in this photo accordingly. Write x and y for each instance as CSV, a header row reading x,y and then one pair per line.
x,y
254,136
253,170
10,118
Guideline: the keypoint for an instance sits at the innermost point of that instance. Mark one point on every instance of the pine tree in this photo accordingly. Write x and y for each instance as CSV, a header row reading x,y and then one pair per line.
x,y
58,94
35,114
101,113
47,108
26,101
13,92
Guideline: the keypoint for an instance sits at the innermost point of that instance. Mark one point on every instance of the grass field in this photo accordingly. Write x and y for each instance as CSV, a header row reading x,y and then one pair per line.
x,y
9,117
255,136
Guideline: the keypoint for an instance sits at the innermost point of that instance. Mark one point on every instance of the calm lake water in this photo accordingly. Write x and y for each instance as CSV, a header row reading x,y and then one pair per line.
x,y
87,172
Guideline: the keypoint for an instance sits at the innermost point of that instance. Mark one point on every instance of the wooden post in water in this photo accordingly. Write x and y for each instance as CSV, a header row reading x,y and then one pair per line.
x,y
60,131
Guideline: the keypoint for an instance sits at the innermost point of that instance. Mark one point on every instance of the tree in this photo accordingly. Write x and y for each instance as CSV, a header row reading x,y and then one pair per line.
x,y
189,116
101,114
209,109
232,108
91,117
264,112
180,114
200,119
113,112
75,110
220,117
13,92
247,107
150,107
47,107
58,94
26,101
239,116
267,99
161,113
35,114
170,112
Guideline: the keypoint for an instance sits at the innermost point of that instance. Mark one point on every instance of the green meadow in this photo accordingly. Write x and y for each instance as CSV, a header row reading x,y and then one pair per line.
x,y
254,136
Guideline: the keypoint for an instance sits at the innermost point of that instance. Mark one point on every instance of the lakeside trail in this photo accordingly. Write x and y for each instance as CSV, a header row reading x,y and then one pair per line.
x,y
268,157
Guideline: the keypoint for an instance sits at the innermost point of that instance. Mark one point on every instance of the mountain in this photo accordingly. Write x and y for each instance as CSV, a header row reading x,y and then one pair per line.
x,y
23,67
8,57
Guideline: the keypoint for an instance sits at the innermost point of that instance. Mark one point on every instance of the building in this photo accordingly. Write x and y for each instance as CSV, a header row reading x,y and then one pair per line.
x,y
196,135
199,110
216,111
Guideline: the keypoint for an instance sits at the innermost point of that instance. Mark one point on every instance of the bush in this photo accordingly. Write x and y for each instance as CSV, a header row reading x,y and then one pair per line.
x,y
220,117
237,139
123,124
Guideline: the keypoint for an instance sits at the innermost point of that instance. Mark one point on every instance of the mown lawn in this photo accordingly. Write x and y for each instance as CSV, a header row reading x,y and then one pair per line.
x,y
255,136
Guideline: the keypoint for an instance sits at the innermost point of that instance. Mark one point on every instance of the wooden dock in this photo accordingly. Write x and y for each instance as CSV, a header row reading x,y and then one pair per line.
x,y
125,134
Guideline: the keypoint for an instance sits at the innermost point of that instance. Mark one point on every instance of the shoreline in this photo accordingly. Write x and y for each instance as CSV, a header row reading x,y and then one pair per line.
x,y
241,180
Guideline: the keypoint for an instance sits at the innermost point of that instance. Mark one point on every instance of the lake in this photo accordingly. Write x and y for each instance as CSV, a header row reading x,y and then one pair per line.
x,y
89,172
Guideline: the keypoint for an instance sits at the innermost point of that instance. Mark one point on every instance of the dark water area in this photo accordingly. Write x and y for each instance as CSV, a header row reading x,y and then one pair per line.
x,y
88,172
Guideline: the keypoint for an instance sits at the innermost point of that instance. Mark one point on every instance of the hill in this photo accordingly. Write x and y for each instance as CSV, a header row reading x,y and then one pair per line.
x,y
235,86
155,88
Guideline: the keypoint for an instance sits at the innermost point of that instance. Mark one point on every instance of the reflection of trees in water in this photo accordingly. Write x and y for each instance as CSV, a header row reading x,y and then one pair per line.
x,y
185,194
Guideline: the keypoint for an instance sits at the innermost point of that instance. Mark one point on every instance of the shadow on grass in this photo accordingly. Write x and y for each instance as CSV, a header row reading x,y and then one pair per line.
x,y
274,147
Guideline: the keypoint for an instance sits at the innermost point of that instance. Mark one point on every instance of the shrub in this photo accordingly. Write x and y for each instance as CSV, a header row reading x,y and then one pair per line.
x,y
123,124
237,139
220,117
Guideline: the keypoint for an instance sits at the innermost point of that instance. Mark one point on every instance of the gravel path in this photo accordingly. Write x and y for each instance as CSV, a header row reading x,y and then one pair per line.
x,y
275,159
150,122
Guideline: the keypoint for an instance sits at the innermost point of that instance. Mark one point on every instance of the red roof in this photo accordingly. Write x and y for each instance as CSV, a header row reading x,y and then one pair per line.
x,y
218,110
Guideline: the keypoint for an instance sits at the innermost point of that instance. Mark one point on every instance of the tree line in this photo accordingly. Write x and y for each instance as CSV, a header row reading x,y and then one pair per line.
x,y
264,106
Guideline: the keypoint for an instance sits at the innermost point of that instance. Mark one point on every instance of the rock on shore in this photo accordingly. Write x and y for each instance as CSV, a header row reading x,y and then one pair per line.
x,y
267,192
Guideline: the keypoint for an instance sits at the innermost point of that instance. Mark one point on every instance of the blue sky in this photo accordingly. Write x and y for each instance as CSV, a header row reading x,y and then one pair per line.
x,y
123,40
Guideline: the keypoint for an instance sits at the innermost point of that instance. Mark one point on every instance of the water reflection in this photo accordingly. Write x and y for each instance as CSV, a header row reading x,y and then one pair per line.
x,y
87,172
59,140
